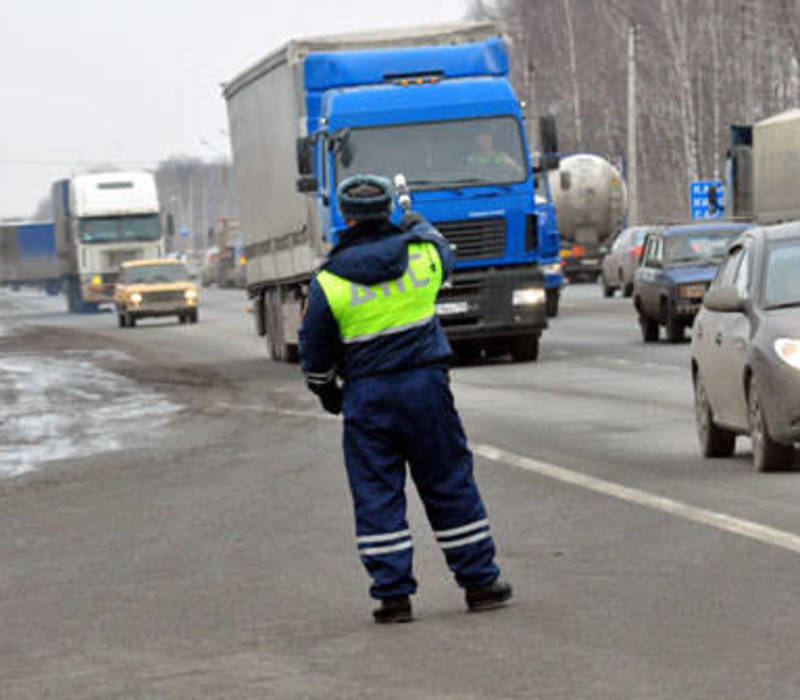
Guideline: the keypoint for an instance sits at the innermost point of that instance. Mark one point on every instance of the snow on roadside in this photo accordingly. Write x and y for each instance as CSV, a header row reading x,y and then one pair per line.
x,y
64,407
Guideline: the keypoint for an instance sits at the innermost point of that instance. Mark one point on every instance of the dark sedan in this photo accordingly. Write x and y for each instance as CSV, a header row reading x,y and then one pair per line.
x,y
746,349
677,266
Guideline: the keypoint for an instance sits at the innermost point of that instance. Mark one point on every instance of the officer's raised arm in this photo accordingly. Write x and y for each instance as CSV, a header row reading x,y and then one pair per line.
x,y
415,223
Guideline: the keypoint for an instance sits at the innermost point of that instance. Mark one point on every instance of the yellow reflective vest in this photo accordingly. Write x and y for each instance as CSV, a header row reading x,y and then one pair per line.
x,y
367,312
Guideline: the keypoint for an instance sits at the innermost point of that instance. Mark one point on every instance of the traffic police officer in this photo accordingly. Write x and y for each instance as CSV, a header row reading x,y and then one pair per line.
x,y
371,323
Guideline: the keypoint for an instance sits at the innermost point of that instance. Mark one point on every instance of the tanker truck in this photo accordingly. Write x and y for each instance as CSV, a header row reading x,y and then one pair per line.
x,y
591,201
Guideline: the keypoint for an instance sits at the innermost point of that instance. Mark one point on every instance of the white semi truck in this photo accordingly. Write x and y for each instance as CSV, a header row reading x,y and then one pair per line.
x,y
101,221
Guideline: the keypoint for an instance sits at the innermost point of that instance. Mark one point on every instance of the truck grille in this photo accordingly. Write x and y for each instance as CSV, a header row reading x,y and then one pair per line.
x,y
476,239
162,296
462,288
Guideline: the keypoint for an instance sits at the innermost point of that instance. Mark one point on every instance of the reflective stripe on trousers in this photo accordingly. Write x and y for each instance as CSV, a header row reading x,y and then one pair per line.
x,y
409,417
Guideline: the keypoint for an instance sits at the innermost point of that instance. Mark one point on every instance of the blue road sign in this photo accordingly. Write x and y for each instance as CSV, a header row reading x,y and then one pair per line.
x,y
699,202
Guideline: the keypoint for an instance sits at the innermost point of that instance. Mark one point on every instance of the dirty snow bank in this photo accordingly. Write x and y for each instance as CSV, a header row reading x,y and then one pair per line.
x,y
58,408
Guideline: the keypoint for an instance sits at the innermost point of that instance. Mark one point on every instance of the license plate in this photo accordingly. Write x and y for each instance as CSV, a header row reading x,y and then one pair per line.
x,y
589,261
450,308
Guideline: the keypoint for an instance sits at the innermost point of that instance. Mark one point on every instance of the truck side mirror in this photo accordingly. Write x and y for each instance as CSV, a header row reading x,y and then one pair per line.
x,y
305,155
548,142
307,183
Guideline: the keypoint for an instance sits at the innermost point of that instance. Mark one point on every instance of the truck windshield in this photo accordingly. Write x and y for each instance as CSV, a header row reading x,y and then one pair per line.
x,y
143,274
436,154
143,227
697,248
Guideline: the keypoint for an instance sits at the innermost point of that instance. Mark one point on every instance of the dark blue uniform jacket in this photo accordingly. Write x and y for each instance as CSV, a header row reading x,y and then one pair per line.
x,y
369,253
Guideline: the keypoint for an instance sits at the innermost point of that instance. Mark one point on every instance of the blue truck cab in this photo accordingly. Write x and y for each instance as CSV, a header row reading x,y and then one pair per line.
x,y
447,118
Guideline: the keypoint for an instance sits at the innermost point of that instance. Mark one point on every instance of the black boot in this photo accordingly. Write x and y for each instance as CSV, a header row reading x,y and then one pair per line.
x,y
397,609
489,596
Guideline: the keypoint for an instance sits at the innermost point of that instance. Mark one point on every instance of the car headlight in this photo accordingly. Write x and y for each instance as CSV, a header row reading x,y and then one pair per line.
x,y
692,291
190,294
788,350
135,298
552,268
527,297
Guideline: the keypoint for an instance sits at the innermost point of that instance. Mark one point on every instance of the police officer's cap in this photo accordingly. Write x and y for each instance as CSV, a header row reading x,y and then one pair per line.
x,y
364,197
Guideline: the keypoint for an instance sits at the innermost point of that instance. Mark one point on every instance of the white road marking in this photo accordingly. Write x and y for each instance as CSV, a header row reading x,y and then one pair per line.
x,y
257,408
721,521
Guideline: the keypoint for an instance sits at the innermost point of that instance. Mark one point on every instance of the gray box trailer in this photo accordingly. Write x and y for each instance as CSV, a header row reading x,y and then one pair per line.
x,y
776,168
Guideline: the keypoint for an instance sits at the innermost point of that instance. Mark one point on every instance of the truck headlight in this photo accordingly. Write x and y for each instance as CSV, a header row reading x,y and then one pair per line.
x,y
527,297
788,349
190,295
135,298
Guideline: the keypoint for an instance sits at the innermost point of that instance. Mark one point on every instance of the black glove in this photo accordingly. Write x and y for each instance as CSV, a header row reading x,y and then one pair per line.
x,y
411,219
330,395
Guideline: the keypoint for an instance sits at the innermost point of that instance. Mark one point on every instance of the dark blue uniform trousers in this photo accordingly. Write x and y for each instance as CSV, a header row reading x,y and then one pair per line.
x,y
409,417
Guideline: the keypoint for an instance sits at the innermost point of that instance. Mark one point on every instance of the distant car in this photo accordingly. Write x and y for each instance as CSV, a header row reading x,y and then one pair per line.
x,y
620,263
159,287
678,263
209,267
746,349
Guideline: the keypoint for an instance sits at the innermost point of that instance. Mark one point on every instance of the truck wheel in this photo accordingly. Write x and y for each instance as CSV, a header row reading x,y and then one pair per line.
x,y
649,329
74,303
182,318
674,325
768,455
551,302
467,351
194,317
53,287
714,441
130,320
122,320
525,348
274,325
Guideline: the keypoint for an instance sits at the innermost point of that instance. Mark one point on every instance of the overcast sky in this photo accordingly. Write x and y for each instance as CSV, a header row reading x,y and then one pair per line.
x,y
136,81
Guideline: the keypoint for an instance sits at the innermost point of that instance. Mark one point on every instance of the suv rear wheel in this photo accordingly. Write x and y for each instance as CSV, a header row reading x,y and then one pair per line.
x,y
649,328
714,441
673,323
608,290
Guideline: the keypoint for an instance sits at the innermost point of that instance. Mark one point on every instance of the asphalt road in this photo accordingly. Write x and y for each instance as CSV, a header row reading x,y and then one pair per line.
x,y
215,558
